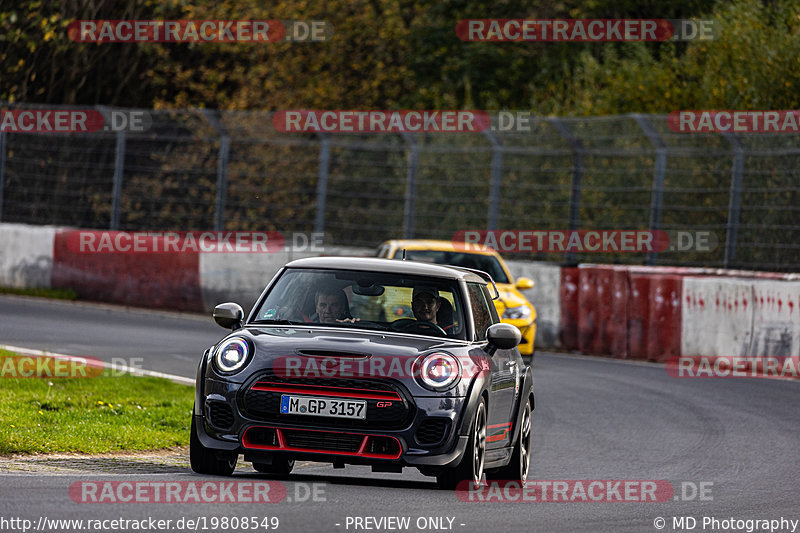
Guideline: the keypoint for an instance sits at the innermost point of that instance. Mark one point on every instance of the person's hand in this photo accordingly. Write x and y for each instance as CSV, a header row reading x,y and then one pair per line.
x,y
348,320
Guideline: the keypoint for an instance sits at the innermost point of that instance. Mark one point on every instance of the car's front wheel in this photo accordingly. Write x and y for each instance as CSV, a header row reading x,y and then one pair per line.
x,y
207,461
280,467
470,469
517,469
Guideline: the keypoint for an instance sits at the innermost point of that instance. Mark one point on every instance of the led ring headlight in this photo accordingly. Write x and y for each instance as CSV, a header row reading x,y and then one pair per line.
x,y
232,354
439,371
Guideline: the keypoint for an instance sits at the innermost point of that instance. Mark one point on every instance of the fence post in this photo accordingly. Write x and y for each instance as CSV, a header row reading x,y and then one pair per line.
x,y
657,198
2,169
222,182
119,169
322,183
223,157
735,199
494,183
411,186
577,177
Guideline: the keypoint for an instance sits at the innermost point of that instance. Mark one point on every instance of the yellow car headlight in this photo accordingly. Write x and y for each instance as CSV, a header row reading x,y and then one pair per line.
x,y
514,313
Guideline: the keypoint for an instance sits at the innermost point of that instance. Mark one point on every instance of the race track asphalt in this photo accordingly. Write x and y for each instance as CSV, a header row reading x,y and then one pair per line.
x,y
595,419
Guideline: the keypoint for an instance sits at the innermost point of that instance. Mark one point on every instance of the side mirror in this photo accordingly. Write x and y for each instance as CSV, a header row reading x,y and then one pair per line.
x,y
502,336
524,283
229,315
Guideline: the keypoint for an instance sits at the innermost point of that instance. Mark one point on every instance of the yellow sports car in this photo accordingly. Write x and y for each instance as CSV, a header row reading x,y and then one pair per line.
x,y
512,306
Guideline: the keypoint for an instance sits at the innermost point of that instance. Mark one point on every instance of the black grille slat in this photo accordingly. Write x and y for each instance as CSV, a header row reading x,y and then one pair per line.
x,y
432,430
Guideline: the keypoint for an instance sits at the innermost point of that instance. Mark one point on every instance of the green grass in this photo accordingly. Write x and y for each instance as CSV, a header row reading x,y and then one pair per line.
x,y
92,415
58,294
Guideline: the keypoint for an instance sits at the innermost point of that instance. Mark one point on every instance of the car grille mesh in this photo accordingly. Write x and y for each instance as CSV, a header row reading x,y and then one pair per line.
x,y
264,405
322,440
220,415
432,430
315,441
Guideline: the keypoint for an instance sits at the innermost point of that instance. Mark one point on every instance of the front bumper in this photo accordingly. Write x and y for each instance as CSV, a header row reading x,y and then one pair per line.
x,y
527,328
428,435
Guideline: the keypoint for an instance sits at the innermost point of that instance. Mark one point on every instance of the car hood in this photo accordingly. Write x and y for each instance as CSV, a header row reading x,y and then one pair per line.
x,y
292,340
318,352
509,297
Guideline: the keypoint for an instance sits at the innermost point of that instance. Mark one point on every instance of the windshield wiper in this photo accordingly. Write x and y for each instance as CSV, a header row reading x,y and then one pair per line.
x,y
274,321
366,324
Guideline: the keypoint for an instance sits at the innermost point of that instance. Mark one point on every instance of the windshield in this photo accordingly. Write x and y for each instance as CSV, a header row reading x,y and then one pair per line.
x,y
486,263
365,300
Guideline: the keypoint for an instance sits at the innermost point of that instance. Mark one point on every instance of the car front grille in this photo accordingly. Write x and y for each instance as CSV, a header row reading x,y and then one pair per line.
x,y
324,442
388,405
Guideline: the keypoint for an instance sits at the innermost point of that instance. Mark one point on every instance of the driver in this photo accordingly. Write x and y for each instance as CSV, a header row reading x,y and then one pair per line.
x,y
425,303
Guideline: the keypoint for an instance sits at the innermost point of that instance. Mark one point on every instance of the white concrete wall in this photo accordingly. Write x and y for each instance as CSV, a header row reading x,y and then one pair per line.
x,y
717,316
240,277
545,297
26,255
741,317
776,318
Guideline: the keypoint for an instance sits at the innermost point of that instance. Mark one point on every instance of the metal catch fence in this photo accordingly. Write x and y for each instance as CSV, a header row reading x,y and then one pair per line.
x,y
233,170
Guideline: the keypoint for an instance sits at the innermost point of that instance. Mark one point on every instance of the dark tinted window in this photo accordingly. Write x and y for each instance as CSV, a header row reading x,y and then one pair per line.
x,y
481,313
486,263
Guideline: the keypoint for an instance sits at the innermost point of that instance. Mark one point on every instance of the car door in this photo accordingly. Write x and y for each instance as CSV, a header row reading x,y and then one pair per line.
x,y
503,368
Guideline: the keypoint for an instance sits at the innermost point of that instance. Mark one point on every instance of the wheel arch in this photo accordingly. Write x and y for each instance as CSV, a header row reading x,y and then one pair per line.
x,y
526,394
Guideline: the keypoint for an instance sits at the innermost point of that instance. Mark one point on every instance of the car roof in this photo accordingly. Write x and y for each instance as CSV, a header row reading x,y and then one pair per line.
x,y
392,266
440,246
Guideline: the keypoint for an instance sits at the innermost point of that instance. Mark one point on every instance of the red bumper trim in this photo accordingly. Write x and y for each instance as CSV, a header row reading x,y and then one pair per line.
x,y
320,390
283,444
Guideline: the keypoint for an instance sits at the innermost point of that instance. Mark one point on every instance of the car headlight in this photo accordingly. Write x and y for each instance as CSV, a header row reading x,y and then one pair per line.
x,y
231,355
438,371
513,313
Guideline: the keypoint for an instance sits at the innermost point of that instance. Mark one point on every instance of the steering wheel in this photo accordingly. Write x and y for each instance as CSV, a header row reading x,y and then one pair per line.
x,y
420,326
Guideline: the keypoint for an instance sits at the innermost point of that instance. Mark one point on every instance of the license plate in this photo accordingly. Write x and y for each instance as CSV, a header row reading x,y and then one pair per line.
x,y
318,406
